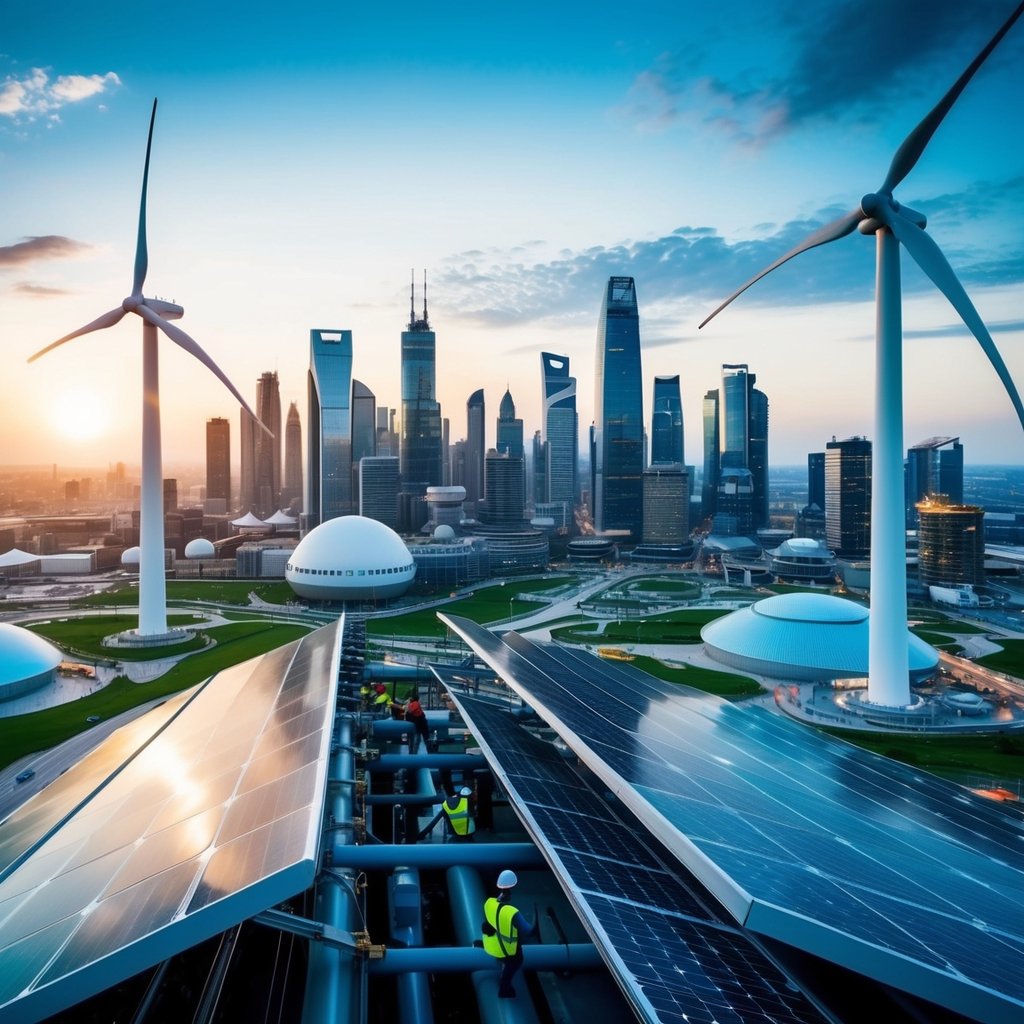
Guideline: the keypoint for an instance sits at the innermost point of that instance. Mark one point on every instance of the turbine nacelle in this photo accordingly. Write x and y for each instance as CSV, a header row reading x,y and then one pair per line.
x,y
166,310
879,209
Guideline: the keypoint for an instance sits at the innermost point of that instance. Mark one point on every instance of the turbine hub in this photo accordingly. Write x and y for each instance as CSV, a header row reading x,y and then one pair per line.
x,y
131,304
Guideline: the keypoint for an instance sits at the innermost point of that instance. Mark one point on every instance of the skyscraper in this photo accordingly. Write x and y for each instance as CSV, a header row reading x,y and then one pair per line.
x,y
509,429
848,498
475,449
329,427
292,489
267,480
816,479
505,501
559,432
743,432
364,431
951,543
378,489
934,466
218,463
247,430
619,414
709,485
420,450
667,422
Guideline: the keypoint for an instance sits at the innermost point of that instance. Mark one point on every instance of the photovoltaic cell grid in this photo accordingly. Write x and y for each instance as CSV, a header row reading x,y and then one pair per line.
x,y
675,959
187,830
804,838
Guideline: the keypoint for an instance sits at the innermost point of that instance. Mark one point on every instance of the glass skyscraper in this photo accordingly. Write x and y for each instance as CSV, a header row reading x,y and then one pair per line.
x,y
420,448
848,498
218,462
935,466
667,422
619,414
709,485
475,448
293,488
559,432
329,427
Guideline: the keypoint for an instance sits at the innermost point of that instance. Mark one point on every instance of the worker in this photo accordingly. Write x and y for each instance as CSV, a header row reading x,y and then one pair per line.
x,y
414,713
458,816
382,699
365,694
503,925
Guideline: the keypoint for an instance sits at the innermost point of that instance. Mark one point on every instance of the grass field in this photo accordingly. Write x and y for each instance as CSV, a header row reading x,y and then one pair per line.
x,y
680,627
722,684
684,589
84,636
215,591
1009,660
487,605
25,734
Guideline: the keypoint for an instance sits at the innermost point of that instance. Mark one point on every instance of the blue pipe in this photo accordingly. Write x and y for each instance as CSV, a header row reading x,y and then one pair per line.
x,y
439,855
395,762
404,902
386,670
393,728
576,956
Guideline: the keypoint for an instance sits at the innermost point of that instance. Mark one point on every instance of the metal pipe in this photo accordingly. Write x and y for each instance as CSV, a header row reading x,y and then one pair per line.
x,y
439,855
406,930
395,762
577,956
386,670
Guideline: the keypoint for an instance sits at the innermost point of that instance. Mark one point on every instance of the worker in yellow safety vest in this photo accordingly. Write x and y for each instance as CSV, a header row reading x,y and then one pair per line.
x,y
503,925
382,699
459,815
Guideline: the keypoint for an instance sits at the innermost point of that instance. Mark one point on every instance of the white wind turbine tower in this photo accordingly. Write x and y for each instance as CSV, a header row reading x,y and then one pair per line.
x,y
894,225
155,314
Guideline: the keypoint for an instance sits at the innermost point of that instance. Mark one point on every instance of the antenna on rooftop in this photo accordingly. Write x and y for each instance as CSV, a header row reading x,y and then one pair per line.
x,y
412,296
424,296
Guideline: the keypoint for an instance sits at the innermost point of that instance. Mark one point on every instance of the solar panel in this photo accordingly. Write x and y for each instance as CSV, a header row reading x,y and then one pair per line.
x,y
805,839
169,834
675,959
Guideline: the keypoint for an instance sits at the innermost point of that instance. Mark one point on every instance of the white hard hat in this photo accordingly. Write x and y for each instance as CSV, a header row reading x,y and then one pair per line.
x,y
465,791
507,879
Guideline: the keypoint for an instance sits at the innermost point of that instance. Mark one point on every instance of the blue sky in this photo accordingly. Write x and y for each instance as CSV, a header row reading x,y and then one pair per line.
x,y
305,159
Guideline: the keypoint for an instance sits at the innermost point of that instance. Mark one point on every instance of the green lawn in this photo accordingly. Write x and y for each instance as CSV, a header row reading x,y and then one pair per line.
x,y
722,684
486,605
25,734
1009,660
940,640
953,757
83,636
679,627
677,588
214,591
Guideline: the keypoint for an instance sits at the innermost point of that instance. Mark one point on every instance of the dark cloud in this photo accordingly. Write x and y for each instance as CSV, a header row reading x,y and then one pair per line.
x,y
696,266
38,291
40,247
845,61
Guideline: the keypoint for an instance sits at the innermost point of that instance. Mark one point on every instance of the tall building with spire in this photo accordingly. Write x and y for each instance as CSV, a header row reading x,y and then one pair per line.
x,y
559,436
292,490
329,427
218,464
619,414
420,449
267,447
475,449
509,428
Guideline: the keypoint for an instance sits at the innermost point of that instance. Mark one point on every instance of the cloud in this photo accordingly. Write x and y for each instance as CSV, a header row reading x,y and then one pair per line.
x,y
841,62
40,247
36,95
38,291
697,268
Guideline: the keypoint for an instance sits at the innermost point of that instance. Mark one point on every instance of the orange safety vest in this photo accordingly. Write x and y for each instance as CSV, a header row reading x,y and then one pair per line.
x,y
504,940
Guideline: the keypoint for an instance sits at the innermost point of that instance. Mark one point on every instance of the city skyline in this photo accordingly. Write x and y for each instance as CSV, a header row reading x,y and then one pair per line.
x,y
284,195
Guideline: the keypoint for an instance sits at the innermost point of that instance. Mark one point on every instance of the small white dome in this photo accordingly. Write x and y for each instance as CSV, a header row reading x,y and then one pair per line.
x,y
444,532
350,558
25,657
131,556
199,548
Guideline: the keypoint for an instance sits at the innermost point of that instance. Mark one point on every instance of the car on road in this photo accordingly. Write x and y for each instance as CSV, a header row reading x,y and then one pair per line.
x,y
93,718
24,776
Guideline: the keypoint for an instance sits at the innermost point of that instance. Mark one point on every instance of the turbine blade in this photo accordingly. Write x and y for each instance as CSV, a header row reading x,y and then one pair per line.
x,y
829,233
928,256
99,324
141,252
915,143
190,345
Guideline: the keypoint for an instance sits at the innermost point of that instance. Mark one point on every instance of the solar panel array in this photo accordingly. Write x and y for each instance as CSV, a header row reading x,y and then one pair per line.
x,y
674,956
169,834
803,838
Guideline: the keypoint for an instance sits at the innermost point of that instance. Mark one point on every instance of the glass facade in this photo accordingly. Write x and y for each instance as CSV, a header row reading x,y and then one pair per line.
x,y
218,460
935,466
709,486
475,448
559,432
667,423
951,543
619,414
421,444
329,461
268,446
743,432
848,498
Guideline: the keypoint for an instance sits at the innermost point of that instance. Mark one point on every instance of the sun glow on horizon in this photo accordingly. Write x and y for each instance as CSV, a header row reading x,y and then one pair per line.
x,y
80,416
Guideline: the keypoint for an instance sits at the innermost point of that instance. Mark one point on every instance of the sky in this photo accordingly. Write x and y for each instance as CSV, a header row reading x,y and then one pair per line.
x,y
307,157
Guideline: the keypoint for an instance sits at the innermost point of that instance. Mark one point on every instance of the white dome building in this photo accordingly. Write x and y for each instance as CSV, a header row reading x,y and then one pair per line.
x,y
200,547
130,557
27,661
804,638
350,558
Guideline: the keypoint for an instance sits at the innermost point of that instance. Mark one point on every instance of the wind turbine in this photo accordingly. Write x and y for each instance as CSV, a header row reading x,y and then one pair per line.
x,y
894,225
155,313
